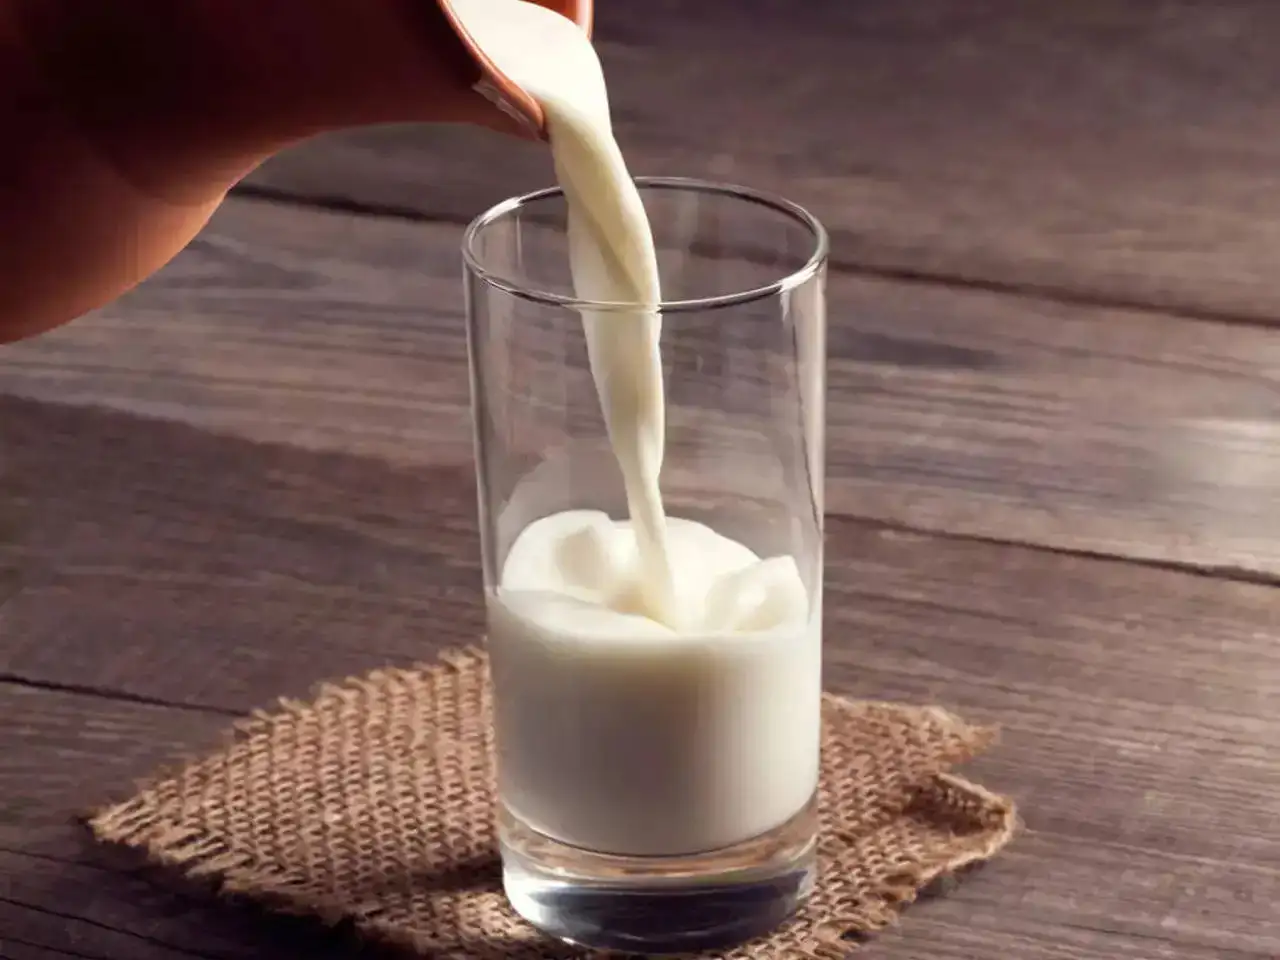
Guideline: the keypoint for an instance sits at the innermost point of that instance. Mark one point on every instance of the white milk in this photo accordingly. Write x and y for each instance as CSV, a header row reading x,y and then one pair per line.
x,y
657,685
617,733
610,247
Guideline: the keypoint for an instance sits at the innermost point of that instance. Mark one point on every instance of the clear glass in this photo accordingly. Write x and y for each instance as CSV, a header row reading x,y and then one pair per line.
x,y
656,797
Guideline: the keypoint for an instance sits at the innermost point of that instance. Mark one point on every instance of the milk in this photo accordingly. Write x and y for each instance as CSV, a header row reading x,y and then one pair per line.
x,y
657,685
611,252
617,733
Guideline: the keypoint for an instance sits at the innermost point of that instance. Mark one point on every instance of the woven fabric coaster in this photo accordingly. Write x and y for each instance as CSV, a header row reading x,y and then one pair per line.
x,y
373,804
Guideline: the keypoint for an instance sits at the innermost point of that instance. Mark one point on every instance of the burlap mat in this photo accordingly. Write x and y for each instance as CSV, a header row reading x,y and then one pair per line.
x,y
373,804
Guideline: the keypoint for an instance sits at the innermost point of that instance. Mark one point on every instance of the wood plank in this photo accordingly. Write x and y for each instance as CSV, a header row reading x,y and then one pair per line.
x,y
1139,706
1107,150
229,572
963,411
61,896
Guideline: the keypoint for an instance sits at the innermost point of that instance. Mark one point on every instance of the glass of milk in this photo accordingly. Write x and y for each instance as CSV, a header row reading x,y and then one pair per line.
x,y
651,509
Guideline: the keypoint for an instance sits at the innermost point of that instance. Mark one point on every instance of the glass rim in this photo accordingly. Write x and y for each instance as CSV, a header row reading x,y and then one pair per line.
x,y
798,214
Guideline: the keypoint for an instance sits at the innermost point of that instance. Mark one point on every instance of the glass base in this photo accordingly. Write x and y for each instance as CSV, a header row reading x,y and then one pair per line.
x,y
659,905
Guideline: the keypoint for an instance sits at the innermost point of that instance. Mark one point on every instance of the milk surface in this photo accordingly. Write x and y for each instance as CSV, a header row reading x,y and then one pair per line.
x,y
618,733
657,685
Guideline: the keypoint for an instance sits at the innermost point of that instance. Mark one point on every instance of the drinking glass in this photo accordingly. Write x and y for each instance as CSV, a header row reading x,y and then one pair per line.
x,y
656,795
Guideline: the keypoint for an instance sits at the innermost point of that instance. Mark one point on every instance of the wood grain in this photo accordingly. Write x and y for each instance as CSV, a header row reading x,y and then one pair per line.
x,y
1124,151
63,896
987,415
207,574
229,572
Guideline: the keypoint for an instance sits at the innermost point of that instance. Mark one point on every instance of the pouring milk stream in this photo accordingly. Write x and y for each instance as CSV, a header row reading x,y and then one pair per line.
x,y
651,663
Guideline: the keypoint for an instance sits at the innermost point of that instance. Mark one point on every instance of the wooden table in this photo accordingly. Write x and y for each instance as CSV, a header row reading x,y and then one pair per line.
x,y
1054,450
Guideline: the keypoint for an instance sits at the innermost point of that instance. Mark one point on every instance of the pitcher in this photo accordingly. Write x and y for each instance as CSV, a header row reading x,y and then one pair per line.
x,y
127,121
